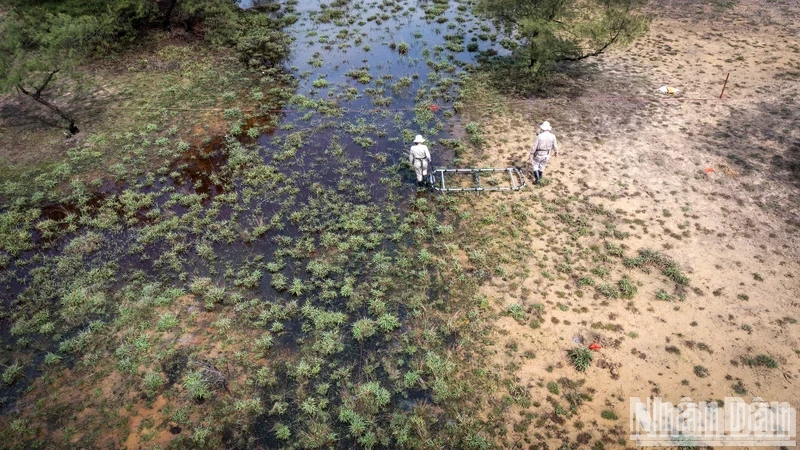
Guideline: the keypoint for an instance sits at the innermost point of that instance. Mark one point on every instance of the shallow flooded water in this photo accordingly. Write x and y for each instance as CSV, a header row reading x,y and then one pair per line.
x,y
302,211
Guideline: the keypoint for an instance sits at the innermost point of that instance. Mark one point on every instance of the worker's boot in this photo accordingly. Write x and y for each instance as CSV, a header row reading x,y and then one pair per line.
x,y
419,184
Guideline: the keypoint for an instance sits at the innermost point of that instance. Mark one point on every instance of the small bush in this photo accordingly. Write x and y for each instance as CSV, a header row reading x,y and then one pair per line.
x,y
581,358
552,387
609,415
672,349
700,371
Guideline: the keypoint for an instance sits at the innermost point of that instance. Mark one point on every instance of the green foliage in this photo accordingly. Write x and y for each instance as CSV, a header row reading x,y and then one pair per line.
x,y
167,321
552,387
12,373
557,30
36,43
627,288
372,398
81,302
609,415
664,295
264,343
258,40
282,432
581,358
363,329
52,359
402,48
388,322
517,311
196,385
153,382
607,290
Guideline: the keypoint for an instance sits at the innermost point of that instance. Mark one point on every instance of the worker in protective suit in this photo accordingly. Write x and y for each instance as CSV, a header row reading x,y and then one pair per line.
x,y
419,157
544,144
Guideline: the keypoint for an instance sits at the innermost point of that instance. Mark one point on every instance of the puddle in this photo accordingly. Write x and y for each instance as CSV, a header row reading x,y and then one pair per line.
x,y
200,168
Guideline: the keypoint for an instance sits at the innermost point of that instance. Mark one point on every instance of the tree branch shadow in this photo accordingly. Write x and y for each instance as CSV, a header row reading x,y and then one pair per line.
x,y
763,146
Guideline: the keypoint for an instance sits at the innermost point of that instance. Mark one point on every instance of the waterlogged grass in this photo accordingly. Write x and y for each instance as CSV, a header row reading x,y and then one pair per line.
x,y
276,293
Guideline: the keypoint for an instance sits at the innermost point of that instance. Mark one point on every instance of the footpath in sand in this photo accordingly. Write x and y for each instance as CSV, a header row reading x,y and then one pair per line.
x,y
712,184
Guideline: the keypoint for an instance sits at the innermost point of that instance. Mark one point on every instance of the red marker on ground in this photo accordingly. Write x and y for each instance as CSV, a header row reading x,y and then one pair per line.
x,y
595,346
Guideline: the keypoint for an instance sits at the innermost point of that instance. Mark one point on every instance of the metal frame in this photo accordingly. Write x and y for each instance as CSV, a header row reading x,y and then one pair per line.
x,y
516,180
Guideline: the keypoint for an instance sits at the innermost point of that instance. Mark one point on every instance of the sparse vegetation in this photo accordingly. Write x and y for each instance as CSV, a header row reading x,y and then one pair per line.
x,y
760,361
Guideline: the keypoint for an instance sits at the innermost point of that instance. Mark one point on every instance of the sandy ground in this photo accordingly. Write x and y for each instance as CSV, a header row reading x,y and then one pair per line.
x,y
711,183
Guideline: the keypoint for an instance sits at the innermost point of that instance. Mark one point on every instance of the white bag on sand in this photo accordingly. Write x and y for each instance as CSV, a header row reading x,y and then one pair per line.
x,y
668,90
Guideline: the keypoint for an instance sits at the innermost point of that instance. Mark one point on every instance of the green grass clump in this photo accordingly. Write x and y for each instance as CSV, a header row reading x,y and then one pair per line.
x,y
364,329
403,48
167,322
552,387
607,290
196,385
12,373
517,311
609,415
283,432
153,382
672,349
627,288
614,249
664,295
581,358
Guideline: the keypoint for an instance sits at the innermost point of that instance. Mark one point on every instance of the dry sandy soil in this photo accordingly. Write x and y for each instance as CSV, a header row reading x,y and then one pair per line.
x,y
711,183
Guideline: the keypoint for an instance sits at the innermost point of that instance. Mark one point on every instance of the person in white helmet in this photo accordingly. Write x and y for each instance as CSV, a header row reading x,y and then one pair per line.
x,y
544,144
419,157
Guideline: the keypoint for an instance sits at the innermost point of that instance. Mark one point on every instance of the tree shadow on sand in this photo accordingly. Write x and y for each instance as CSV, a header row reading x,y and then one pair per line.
x,y
763,144
512,78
